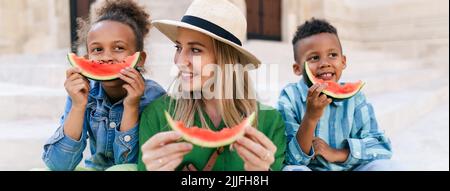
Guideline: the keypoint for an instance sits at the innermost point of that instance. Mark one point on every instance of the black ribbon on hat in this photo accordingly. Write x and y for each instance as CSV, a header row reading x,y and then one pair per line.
x,y
211,27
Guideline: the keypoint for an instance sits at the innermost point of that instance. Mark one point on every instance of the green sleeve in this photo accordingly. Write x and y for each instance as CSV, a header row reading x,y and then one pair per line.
x,y
150,124
279,139
273,127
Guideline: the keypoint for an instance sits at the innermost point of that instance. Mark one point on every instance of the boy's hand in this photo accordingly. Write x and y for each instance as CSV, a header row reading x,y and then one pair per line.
x,y
316,103
321,148
135,86
77,86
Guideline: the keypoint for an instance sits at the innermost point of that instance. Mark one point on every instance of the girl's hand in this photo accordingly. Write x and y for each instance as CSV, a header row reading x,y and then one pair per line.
x,y
257,151
162,152
316,103
77,86
135,86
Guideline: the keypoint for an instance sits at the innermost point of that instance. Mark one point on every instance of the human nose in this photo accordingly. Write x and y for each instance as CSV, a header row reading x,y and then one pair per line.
x,y
324,63
107,56
182,60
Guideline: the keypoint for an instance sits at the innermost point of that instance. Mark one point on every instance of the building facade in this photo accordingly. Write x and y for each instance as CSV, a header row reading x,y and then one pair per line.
x,y
409,27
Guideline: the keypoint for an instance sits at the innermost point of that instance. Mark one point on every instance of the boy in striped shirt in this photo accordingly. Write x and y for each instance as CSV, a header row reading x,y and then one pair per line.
x,y
324,135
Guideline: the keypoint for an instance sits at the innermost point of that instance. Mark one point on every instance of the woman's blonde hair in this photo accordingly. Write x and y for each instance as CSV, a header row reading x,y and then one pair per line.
x,y
232,110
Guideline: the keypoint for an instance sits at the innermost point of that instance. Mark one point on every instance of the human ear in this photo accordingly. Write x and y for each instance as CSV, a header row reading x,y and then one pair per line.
x,y
297,68
344,61
142,59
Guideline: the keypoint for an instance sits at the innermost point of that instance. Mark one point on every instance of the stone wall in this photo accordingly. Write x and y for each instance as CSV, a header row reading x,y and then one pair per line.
x,y
34,26
417,28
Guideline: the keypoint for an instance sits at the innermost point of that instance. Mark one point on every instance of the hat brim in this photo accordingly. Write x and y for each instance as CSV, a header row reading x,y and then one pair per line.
x,y
170,29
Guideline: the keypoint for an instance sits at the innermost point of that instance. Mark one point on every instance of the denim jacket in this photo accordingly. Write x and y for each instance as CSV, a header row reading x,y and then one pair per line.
x,y
108,145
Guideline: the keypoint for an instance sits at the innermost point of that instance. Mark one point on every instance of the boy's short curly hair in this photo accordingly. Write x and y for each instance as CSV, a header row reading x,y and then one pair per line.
x,y
124,11
310,28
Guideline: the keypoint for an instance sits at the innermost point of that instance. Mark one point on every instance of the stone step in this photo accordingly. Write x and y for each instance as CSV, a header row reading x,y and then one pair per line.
x,y
39,98
380,66
23,140
27,129
378,83
387,82
43,70
48,69
425,140
397,111
26,102
46,75
358,60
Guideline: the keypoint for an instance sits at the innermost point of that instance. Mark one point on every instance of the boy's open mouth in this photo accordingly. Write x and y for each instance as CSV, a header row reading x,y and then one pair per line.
x,y
326,76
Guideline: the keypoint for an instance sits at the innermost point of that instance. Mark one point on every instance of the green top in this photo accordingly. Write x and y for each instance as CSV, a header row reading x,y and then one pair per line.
x,y
270,123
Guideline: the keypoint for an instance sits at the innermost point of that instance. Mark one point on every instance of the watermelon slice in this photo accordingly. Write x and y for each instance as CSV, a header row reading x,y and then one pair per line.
x,y
208,138
102,71
338,92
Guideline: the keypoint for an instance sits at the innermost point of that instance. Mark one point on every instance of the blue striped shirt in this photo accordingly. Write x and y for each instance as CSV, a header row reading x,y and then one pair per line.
x,y
347,124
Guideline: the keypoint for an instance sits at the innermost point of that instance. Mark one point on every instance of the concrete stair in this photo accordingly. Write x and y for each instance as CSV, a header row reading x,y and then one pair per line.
x,y
398,110
21,102
424,144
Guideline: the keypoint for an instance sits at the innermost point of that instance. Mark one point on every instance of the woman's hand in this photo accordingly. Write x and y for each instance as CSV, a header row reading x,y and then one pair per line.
x,y
77,86
257,151
162,152
135,86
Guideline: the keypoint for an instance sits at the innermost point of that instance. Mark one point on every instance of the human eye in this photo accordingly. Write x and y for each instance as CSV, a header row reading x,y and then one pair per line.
x,y
96,50
196,50
313,58
119,48
333,55
178,48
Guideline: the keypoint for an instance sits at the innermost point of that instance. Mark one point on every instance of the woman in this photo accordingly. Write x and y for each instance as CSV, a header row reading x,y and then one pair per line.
x,y
208,94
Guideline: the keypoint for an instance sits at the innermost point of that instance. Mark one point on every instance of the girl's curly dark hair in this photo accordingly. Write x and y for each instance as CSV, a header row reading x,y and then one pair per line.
x,y
124,11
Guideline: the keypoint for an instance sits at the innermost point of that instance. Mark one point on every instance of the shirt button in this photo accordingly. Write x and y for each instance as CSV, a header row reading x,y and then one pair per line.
x,y
127,138
374,154
112,125
356,153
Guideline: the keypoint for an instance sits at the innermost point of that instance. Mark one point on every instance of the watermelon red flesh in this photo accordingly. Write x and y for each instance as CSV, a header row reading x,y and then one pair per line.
x,y
102,71
207,138
333,90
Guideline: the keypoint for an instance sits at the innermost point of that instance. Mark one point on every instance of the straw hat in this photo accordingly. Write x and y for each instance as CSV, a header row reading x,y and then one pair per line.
x,y
219,19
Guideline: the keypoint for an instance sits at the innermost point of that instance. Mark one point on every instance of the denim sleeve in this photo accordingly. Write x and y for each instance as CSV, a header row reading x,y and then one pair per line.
x,y
126,146
62,153
367,142
294,153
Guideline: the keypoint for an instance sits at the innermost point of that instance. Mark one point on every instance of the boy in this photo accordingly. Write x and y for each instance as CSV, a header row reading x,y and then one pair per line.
x,y
324,135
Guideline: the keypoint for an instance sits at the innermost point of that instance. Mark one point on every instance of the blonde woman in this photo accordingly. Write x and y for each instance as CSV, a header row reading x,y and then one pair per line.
x,y
211,91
